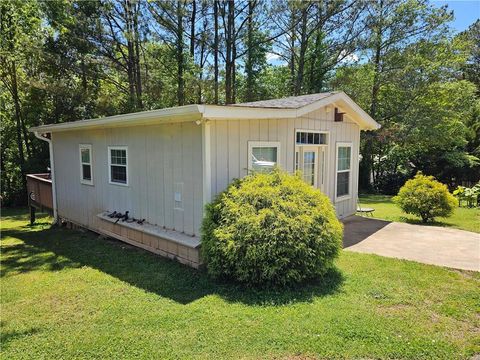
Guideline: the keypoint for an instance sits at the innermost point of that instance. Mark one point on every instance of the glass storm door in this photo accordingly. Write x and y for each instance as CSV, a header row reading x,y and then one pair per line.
x,y
309,165
310,161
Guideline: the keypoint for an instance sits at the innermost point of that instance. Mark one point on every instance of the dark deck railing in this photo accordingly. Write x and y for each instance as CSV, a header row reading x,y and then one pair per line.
x,y
39,187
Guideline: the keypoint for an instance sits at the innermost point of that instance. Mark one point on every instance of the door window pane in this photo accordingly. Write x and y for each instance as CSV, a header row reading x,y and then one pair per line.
x,y
309,167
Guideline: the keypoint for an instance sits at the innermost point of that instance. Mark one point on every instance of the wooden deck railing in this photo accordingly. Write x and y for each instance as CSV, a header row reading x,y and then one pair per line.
x,y
39,187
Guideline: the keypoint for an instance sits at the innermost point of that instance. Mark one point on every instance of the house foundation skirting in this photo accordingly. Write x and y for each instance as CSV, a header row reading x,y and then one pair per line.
x,y
186,254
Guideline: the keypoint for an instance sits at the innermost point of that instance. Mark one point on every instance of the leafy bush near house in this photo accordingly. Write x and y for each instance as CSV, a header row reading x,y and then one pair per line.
x,y
270,229
425,197
471,196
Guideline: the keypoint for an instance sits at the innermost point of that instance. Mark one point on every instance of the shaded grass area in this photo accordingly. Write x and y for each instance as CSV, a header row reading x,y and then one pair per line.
x,y
71,294
463,218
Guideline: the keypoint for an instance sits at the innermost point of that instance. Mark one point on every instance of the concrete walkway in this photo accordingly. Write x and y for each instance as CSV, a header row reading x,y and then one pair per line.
x,y
426,244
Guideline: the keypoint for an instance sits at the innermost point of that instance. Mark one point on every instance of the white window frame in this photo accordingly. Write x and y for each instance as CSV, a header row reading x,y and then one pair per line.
x,y
262,144
89,148
115,147
327,133
349,195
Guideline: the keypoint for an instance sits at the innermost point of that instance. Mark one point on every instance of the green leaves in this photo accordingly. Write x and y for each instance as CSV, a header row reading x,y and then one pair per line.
x,y
270,229
425,197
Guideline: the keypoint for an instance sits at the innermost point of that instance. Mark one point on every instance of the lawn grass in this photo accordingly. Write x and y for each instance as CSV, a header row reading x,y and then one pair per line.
x,y
68,294
462,218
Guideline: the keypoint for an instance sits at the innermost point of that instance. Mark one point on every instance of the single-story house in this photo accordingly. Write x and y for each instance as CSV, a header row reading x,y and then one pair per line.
x,y
163,166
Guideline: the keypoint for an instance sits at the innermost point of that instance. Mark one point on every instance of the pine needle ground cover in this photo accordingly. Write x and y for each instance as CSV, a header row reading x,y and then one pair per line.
x,y
69,294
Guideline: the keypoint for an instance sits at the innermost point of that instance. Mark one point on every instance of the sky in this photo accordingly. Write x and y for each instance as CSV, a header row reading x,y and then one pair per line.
x,y
464,11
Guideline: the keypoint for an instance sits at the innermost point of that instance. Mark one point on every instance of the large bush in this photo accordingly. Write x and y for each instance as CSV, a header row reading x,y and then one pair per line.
x,y
425,197
270,229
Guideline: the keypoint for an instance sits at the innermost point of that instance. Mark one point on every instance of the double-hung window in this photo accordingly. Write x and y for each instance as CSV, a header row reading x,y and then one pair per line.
x,y
263,156
86,172
118,165
344,170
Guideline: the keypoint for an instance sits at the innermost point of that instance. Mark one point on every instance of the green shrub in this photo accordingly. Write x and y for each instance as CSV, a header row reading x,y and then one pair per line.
x,y
270,229
425,197
469,195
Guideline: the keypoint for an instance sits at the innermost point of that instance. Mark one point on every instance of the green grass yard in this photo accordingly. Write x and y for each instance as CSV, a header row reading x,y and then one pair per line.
x,y
69,294
462,218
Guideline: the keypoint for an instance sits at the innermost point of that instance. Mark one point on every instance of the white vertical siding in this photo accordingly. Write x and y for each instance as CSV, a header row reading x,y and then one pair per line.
x,y
158,157
162,158
230,136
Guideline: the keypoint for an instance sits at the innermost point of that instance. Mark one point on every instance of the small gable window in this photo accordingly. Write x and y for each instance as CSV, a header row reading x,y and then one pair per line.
x,y
118,165
86,172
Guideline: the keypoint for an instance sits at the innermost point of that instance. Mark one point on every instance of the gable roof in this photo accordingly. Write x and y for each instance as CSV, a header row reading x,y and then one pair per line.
x,y
291,102
290,107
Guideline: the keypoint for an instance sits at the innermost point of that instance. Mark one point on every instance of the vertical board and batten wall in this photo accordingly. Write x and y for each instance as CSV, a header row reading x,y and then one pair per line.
x,y
229,149
160,159
163,159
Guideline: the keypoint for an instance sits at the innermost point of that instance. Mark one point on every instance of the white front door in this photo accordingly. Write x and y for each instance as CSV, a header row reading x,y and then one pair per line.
x,y
310,161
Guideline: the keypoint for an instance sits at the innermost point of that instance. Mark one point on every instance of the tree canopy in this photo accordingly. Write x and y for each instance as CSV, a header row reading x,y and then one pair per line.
x,y
399,59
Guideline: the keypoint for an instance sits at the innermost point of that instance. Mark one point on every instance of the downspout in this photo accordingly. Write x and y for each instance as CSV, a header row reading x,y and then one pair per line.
x,y
52,174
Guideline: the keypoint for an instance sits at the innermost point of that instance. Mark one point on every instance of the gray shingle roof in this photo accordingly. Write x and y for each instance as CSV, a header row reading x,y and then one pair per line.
x,y
292,102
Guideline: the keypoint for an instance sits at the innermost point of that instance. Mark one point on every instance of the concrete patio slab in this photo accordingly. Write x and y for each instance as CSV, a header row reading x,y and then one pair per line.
x,y
435,245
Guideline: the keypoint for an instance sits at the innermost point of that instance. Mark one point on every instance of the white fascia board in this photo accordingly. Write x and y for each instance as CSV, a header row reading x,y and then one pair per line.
x,y
357,114
176,114
216,112
362,117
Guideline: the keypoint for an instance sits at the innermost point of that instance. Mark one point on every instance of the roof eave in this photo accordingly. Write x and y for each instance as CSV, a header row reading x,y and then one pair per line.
x,y
169,115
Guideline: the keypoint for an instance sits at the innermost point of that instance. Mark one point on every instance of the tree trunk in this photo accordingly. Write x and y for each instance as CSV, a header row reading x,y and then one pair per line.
x,y
131,73
229,39
215,51
138,76
203,45
26,137
192,29
366,165
292,51
16,100
180,60
234,73
249,62
303,50
84,74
